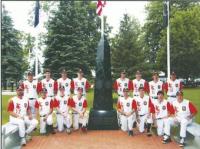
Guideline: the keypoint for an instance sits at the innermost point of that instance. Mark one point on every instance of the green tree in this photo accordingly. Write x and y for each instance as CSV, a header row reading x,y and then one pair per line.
x,y
11,50
73,34
126,49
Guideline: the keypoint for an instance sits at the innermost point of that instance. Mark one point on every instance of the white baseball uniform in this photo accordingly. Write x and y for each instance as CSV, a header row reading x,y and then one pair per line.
x,y
137,84
172,87
63,114
80,83
31,90
44,105
143,109
162,110
182,112
20,107
120,84
154,87
66,83
51,87
79,105
127,106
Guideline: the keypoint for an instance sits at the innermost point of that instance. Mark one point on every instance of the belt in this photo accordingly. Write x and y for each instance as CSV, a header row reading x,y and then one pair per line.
x,y
120,95
159,118
50,96
172,96
136,95
42,115
32,98
74,113
142,115
154,97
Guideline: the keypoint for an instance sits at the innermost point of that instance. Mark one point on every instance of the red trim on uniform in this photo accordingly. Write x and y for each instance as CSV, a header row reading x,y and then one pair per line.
x,y
152,109
28,107
56,103
151,105
192,108
115,86
166,87
37,105
87,85
51,104
85,104
72,103
55,85
39,87
22,85
163,87
181,86
170,108
10,106
69,102
130,85
119,105
134,105
146,87
72,85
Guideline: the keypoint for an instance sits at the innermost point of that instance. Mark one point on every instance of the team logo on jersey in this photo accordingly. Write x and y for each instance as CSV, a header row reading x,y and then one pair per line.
x,y
47,103
145,103
50,85
125,84
159,86
18,106
152,87
176,85
80,104
184,108
157,109
82,83
66,84
65,102
141,85
119,84
138,103
25,105
176,109
164,107
34,86
128,104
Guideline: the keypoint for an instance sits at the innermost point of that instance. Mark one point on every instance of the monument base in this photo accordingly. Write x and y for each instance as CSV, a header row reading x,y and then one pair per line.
x,y
103,120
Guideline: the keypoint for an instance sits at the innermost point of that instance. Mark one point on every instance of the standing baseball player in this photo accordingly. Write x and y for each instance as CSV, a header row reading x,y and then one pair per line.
x,y
62,104
184,111
155,86
172,86
162,110
20,115
80,82
44,106
144,111
139,82
127,107
31,90
65,82
80,115
119,86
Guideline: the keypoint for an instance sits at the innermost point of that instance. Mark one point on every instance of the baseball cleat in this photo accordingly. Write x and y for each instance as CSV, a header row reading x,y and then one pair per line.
x,y
23,142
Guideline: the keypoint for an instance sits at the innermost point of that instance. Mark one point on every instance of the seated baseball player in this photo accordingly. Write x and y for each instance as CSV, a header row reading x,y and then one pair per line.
x,y
44,106
144,114
80,115
20,115
62,104
184,111
127,107
162,110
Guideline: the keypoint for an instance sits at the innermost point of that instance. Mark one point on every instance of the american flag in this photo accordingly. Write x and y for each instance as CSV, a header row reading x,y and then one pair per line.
x,y
100,6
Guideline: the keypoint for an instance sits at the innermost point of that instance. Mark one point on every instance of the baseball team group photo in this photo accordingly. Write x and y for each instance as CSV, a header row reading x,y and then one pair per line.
x,y
100,74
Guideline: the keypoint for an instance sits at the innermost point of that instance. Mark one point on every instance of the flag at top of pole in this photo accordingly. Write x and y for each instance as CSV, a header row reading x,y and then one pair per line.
x,y
37,8
100,6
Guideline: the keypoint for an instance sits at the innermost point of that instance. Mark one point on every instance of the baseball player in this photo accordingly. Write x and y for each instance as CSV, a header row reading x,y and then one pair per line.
x,y
20,115
44,106
119,86
80,82
65,82
144,114
162,110
62,104
154,86
184,111
172,86
31,90
139,82
80,115
127,107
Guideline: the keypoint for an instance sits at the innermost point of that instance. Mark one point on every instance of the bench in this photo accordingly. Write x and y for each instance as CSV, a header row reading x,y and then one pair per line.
x,y
194,129
10,136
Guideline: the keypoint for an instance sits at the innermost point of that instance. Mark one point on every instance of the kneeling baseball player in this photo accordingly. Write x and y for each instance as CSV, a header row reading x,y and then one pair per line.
x,y
44,106
63,106
80,115
127,107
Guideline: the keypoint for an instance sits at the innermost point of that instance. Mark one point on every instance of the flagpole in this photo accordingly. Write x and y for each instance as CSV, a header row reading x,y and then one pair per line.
x,y
102,25
168,42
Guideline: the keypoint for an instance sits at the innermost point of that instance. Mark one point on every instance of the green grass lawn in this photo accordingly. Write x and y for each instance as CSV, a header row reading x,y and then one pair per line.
x,y
192,94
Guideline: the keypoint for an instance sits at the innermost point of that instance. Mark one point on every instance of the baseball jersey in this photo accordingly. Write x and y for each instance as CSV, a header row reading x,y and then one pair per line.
x,y
120,84
79,104
44,105
31,89
18,106
127,105
137,84
143,104
183,109
62,103
172,87
154,87
80,83
162,109
66,83
51,86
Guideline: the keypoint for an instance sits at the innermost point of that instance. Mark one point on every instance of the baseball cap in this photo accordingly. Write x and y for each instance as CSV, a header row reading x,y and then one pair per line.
x,y
179,93
160,92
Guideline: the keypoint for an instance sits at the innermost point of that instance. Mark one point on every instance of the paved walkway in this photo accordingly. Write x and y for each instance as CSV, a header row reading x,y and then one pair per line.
x,y
98,140
7,92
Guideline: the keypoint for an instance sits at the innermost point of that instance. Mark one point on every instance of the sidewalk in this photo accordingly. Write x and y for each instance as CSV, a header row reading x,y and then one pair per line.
x,y
7,92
